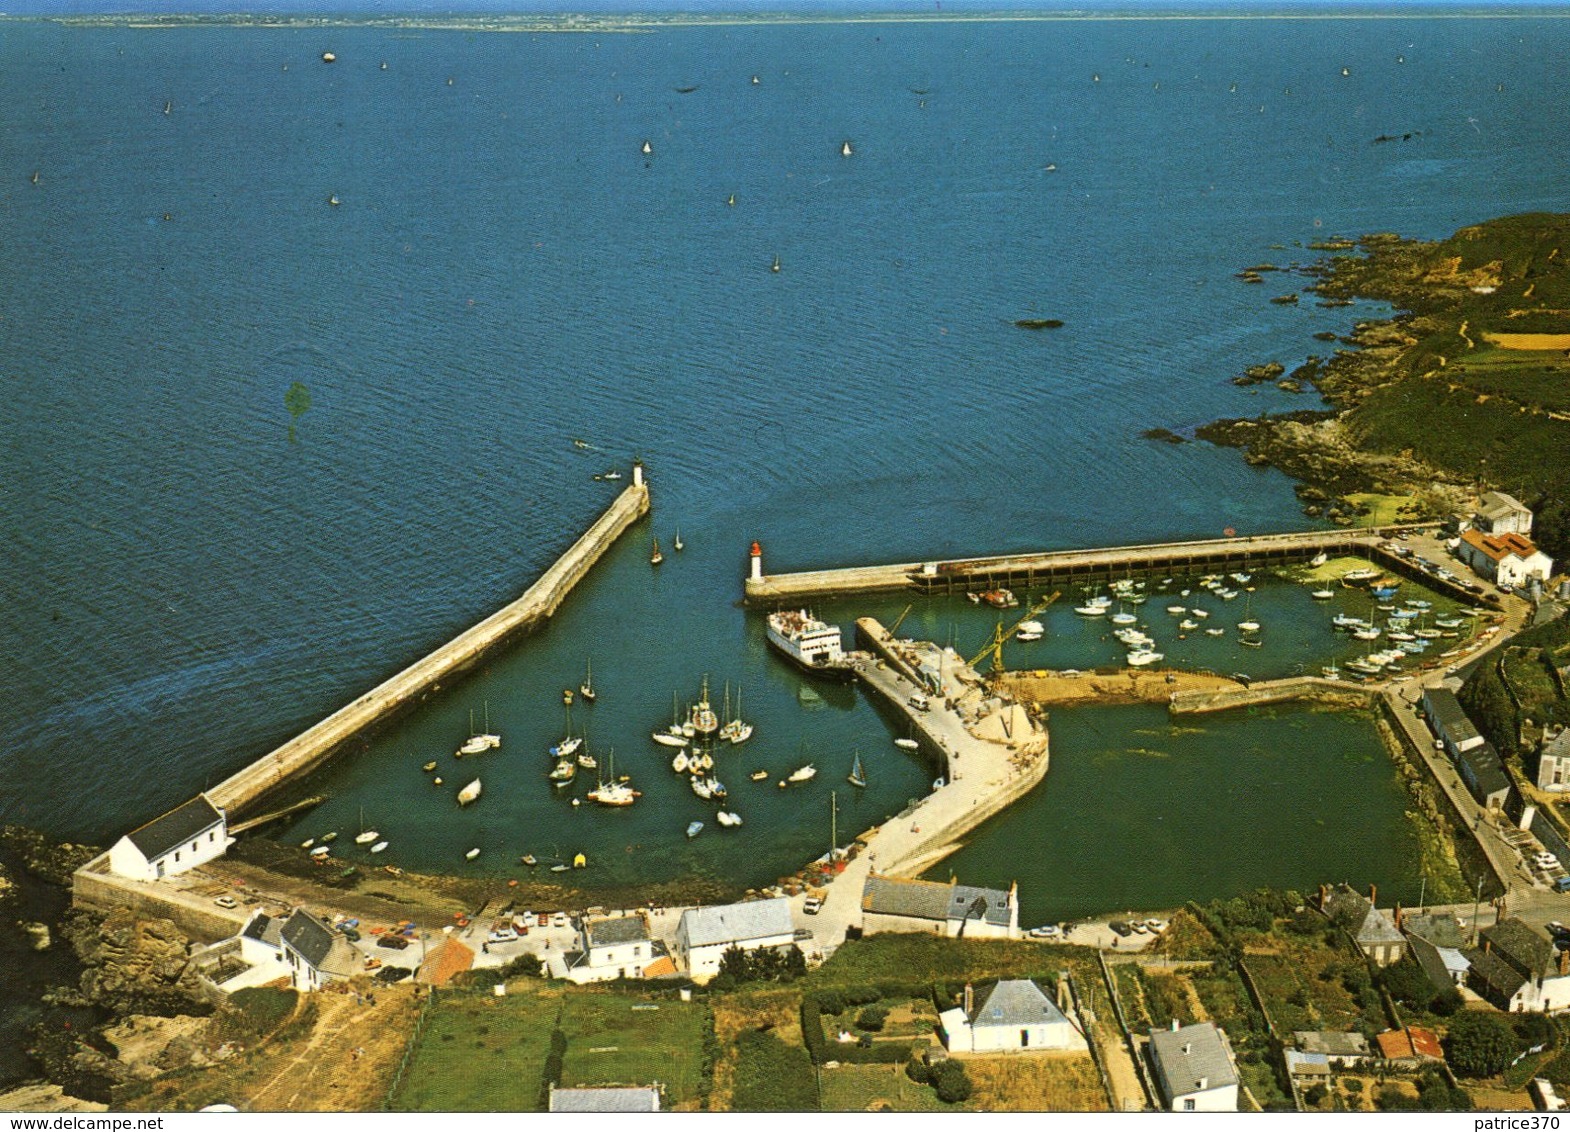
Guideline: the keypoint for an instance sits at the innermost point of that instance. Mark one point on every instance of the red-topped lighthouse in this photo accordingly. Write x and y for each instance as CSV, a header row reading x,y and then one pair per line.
x,y
757,561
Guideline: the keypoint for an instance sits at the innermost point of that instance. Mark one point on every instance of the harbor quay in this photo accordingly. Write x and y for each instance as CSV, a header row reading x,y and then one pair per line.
x,y
1060,567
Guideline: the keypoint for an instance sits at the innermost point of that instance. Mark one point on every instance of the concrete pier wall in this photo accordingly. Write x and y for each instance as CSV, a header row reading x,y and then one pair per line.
x,y
1314,688
315,745
1064,566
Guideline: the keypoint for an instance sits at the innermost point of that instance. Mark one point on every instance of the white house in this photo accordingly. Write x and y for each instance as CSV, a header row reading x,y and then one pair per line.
x,y
185,837
315,953
705,934
893,904
1011,1016
1553,764
1517,969
1501,514
1505,560
617,948
1194,1068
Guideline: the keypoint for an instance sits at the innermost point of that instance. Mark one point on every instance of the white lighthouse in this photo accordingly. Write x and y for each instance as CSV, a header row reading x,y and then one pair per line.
x,y
637,473
757,562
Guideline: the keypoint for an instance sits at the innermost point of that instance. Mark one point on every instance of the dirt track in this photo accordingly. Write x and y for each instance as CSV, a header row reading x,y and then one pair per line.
x,y
1127,686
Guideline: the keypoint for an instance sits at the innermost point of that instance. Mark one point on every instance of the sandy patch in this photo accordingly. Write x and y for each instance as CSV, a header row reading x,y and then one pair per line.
x,y
1530,341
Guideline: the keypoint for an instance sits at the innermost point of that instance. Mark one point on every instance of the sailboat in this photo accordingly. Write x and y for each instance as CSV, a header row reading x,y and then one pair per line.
x,y
858,777
775,266
655,557
365,836
845,150
586,689
740,731
1248,624
571,743
678,544
673,736
479,741
647,148
611,792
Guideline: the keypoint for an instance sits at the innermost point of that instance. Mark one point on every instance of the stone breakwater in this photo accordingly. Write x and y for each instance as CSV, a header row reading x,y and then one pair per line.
x,y
539,602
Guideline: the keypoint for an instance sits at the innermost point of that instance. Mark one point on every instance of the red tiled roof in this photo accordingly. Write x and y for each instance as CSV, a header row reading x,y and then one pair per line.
x,y
1411,1042
1497,546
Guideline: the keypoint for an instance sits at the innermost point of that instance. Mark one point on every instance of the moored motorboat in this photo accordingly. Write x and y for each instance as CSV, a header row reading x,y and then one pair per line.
x,y
378,847
679,764
472,854
759,775
907,744
469,793
694,828
429,766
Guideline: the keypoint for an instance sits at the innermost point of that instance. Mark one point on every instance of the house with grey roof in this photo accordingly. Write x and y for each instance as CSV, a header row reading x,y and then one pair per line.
x,y
1484,775
1449,721
1553,763
616,947
187,836
1517,969
1438,946
893,904
612,1098
1010,1016
1193,1068
316,954
705,934
1337,1047
1372,929
1501,514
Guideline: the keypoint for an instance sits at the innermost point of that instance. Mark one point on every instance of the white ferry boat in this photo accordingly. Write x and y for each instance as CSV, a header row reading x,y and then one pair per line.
x,y
810,643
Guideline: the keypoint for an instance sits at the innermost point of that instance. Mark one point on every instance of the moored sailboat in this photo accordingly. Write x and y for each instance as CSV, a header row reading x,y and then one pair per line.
x,y
858,776
469,793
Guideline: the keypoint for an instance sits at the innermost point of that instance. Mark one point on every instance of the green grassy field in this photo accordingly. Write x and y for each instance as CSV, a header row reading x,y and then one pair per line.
x,y
618,1039
479,1053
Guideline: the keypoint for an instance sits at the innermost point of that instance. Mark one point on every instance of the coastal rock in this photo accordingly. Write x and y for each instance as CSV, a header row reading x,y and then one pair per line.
x,y
7,887
43,858
140,966
1256,375
45,1098
148,1046
1163,434
37,933
1038,323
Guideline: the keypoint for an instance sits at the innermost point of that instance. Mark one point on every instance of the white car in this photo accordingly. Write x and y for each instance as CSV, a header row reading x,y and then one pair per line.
x,y
1156,926
1546,861
1045,931
501,935
812,906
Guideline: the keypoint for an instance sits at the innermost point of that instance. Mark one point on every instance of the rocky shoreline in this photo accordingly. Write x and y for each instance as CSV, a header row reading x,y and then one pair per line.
x,y
1421,404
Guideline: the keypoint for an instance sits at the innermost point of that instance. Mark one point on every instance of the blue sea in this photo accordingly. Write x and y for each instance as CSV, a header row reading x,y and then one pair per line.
x,y
505,269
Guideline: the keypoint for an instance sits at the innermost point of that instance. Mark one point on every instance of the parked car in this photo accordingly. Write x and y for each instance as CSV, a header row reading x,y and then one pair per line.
x,y
226,902
501,935
559,920
1156,926
1045,931
812,906
351,934
1121,927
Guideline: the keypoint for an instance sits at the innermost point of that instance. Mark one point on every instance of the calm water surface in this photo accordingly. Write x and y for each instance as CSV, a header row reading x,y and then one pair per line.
x,y
184,588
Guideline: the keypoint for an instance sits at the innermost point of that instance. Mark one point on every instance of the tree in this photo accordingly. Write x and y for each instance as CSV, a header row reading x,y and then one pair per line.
x,y
1480,1044
950,1081
1447,1002
1407,984
872,1018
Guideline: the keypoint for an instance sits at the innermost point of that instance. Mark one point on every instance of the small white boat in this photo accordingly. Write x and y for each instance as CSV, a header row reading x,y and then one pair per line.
x,y
1216,632
472,854
679,764
801,774
724,819
759,775
378,847
677,543
307,843
694,828
858,776
480,741
1032,627
565,771
1027,638
330,835
741,734
1195,611
588,761
647,148
1251,642
1141,657
845,150
1322,595
700,787
1249,626
1188,624
469,793
366,837
321,851
665,738
1319,559
1123,617
586,689
1090,610
567,746
1368,633
1177,610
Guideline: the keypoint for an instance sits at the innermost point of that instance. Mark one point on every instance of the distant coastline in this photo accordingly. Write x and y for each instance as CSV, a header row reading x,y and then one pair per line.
x,y
630,22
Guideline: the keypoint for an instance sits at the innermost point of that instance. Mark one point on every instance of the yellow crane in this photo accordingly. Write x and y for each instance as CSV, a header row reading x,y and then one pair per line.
x,y
1001,635
900,620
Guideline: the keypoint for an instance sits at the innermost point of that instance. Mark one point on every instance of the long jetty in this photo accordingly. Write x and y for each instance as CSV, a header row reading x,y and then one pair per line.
x,y
1058,567
538,603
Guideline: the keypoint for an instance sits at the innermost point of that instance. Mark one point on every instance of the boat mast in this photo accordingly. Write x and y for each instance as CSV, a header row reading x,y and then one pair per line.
x,y
834,833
